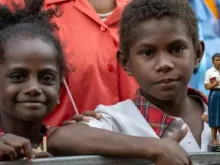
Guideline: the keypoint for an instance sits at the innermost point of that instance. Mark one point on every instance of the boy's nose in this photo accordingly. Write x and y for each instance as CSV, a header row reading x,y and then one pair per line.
x,y
164,64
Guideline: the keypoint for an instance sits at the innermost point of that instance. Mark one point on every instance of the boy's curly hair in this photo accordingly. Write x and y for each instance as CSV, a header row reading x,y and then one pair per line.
x,y
29,21
144,10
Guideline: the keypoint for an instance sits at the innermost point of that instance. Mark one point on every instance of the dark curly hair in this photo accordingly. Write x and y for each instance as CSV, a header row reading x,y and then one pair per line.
x,y
143,10
215,55
29,21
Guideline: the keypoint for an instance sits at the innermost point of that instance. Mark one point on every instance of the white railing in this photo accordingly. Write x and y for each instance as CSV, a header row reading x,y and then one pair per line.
x,y
197,158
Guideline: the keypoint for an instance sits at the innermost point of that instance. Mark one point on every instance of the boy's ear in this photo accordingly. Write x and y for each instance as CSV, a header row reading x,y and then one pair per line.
x,y
124,62
199,54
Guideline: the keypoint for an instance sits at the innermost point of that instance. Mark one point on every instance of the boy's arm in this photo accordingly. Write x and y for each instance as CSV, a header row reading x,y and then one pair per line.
x,y
79,139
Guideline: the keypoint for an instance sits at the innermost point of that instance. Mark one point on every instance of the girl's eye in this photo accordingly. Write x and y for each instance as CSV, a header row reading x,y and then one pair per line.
x,y
17,78
147,53
48,79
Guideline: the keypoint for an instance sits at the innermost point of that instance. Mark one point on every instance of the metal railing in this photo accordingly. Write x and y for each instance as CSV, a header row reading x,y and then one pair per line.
x,y
197,158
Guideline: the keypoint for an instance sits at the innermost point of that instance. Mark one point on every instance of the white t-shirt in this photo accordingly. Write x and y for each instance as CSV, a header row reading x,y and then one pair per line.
x,y
124,117
211,73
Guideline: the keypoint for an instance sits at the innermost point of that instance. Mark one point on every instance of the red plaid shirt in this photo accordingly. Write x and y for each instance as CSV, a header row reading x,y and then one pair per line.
x,y
157,119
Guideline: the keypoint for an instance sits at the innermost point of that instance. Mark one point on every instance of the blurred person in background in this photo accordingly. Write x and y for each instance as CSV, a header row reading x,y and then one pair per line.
x,y
207,12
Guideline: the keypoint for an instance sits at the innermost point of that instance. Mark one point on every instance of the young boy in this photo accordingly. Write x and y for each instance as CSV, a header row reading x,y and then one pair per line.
x,y
160,48
212,78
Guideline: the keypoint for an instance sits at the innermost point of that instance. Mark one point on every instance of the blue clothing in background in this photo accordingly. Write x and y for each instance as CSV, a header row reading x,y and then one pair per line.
x,y
209,32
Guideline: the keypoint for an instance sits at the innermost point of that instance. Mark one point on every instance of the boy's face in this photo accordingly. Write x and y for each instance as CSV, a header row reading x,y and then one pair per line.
x,y
29,79
162,58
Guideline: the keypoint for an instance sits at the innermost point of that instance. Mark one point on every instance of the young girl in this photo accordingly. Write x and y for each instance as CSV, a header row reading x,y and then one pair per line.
x,y
212,79
159,46
31,69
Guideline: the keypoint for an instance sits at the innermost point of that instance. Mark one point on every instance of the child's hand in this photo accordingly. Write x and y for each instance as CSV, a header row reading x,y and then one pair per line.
x,y
15,146
205,118
41,154
216,83
169,151
84,117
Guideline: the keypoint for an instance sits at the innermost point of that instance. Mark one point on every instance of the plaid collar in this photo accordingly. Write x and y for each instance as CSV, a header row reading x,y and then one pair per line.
x,y
157,119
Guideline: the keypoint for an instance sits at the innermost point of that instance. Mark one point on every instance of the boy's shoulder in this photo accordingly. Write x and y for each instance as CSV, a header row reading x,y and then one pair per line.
x,y
197,93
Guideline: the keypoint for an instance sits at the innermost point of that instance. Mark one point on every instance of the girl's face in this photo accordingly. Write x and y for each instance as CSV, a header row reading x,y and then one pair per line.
x,y
216,62
30,80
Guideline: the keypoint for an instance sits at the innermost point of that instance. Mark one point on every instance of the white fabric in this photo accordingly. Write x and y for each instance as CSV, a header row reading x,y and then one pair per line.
x,y
125,118
212,72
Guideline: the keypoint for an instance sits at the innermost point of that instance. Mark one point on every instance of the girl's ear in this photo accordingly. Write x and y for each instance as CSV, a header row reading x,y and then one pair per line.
x,y
61,84
59,91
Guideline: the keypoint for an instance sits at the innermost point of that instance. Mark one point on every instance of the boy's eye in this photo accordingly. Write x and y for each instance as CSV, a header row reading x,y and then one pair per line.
x,y
177,49
147,52
48,79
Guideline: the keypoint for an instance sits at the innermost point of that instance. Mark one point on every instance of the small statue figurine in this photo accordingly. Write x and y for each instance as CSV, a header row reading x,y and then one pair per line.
x,y
212,79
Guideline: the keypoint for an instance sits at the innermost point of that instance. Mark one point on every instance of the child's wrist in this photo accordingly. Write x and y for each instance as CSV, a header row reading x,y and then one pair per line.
x,y
152,150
